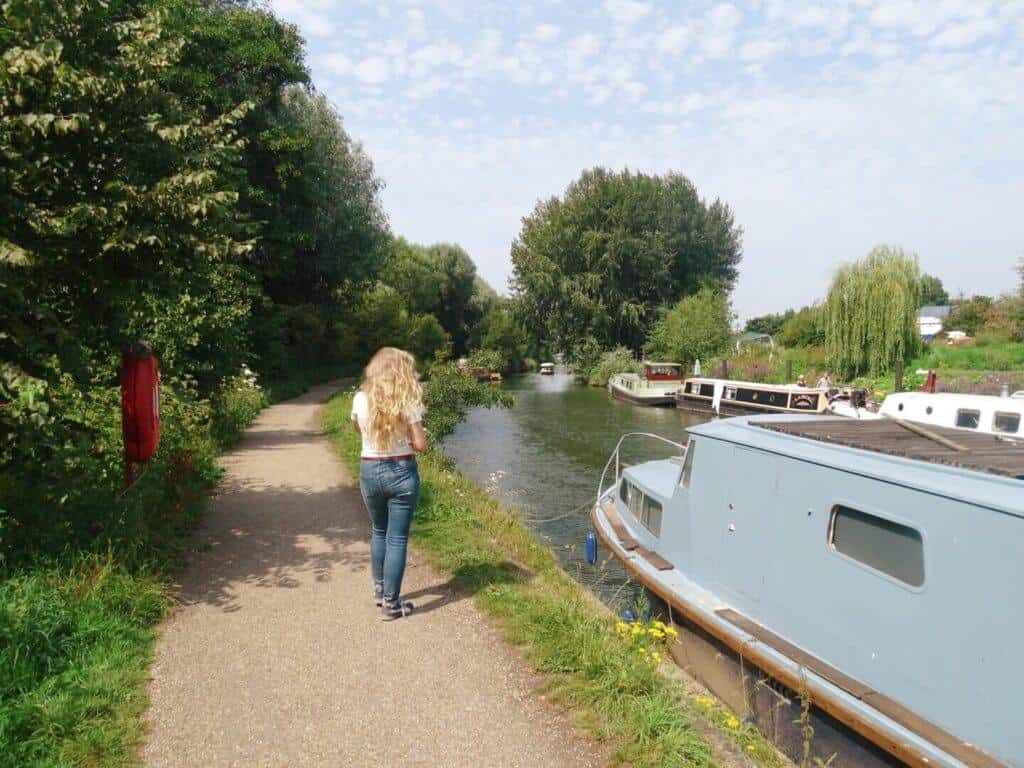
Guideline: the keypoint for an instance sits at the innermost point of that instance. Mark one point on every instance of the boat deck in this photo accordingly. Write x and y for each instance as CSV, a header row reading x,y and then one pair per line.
x,y
939,445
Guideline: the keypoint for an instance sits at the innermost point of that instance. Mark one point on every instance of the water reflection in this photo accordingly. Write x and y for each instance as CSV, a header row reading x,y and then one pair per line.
x,y
545,456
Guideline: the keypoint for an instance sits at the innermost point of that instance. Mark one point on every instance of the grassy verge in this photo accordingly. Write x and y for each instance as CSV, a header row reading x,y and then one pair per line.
x,y
592,667
77,624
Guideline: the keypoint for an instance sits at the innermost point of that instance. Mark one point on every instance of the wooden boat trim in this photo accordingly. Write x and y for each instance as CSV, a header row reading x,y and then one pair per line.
x,y
755,651
626,541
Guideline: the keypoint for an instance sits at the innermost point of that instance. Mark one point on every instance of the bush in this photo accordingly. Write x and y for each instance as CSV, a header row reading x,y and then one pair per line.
x,y
696,328
485,360
618,360
234,406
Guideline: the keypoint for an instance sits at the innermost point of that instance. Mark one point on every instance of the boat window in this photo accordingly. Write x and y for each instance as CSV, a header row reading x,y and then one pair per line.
x,y
968,418
651,516
894,549
684,479
624,492
636,501
1006,422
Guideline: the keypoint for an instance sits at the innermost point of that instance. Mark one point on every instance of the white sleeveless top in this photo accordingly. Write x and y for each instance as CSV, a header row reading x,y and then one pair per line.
x,y
361,415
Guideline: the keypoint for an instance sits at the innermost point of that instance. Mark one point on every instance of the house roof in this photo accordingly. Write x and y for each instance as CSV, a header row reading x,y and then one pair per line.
x,y
934,310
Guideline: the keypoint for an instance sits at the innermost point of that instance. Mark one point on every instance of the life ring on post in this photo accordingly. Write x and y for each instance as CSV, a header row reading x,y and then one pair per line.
x,y
140,406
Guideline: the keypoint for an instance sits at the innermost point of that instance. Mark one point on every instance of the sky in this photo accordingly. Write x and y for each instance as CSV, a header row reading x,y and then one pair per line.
x,y
827,127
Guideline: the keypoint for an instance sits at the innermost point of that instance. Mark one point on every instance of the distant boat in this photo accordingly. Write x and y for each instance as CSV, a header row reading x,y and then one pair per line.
x,y
656,385
547,369
872,567
978,413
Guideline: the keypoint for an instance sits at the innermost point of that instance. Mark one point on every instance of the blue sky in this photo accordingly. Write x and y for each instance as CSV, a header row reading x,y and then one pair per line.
x,y
827,127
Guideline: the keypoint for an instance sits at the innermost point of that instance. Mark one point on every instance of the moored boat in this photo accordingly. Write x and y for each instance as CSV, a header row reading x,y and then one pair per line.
x,y
978,413
547,369
863,564
656,385
731,398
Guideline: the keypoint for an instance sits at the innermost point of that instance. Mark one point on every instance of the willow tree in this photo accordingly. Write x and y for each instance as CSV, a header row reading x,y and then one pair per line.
x,y
871,313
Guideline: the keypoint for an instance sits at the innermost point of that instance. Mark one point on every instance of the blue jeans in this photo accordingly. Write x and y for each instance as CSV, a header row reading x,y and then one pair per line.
x,y
390,488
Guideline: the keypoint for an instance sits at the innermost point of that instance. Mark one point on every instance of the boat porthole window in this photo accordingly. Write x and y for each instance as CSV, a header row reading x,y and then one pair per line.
x,y
882,545
1006,422
928,410
968,418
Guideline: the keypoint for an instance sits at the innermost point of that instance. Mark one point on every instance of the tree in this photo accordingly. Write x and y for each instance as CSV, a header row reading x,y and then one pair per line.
x,y
871,313
1020,272
599,261
770,324
698,326
805,328
932,292
499,330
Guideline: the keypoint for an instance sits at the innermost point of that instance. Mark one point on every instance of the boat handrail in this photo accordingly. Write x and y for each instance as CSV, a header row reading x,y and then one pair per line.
x,y
615,456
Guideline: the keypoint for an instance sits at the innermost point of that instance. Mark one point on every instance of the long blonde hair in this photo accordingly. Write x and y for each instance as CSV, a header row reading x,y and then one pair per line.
x,y
393,391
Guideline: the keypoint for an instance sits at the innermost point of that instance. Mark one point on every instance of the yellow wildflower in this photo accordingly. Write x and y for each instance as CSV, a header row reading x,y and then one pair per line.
x,y
671,632
655,632
657,657
622,626
732,722
637,630
750,747
642,651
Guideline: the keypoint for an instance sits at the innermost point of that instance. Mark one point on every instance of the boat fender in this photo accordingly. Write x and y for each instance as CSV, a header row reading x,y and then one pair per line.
x,y
591,548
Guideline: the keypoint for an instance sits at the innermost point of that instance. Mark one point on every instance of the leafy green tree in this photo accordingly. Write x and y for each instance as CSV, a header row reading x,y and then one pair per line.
x,y
441,280
970,315
871,313
697,327
805,328
932,292
500,330
427,338
599,261
770,324
118,221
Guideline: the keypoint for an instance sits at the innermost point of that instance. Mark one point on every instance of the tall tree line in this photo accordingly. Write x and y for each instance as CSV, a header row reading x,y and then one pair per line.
x,y
167,172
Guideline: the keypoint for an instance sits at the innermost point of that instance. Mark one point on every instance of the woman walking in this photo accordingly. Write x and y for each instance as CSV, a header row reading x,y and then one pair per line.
x,y
387,412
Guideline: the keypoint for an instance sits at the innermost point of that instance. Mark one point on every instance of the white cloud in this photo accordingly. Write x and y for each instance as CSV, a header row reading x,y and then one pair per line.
x,y
720,30
546,33
626,12
582,48
336,63
374,69
762,49
965,33
674,40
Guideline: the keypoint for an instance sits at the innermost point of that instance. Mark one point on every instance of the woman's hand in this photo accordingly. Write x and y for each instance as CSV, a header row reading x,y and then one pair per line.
x,y
417,439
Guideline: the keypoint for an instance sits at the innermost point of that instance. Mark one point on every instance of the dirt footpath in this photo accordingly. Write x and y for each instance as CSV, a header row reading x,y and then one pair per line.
x,y
276,656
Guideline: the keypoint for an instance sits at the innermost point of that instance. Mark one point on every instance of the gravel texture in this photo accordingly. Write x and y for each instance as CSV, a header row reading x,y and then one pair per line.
x,y
276,656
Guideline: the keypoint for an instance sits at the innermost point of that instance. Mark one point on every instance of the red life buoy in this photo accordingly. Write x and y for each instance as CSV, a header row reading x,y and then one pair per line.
x,y
140,403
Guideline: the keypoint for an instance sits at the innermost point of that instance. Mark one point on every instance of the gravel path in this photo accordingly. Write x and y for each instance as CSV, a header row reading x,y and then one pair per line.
x,y
276,657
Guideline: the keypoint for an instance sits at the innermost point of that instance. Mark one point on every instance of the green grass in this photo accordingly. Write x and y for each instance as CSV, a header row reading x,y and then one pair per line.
x,y
612,692
982,354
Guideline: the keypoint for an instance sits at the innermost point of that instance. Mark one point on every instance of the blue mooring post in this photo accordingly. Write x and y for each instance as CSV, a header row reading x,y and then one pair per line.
x,y
591,548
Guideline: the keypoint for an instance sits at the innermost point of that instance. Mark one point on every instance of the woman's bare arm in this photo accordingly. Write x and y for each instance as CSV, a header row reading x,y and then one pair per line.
x,y
417,439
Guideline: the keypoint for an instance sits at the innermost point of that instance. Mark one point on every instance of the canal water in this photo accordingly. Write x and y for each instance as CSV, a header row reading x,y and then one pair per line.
x,y
544,457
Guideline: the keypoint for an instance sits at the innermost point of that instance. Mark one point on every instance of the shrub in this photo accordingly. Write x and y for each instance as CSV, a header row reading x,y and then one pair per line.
x,y
618,360
485,360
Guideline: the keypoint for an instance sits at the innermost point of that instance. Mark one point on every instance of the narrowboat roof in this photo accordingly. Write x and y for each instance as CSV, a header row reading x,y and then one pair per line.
x,y
739,384
662,365
990,473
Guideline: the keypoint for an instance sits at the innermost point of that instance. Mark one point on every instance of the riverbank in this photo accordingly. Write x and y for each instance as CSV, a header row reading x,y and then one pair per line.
x,y
589,666
77,626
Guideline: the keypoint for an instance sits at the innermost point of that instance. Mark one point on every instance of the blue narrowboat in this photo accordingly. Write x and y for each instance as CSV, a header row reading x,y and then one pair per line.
x,y
874,567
